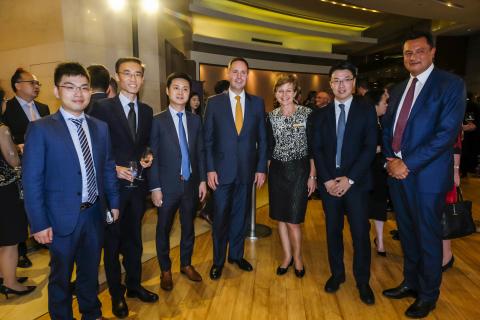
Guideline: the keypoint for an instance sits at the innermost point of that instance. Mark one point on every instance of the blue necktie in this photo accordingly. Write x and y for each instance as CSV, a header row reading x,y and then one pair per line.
x,y
87,158
340,133
183,148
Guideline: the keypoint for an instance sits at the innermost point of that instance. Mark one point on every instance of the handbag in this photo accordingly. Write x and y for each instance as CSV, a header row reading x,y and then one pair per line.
x,y
457,218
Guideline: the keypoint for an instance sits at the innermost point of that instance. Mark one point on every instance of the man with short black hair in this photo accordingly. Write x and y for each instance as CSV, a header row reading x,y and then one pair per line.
x,y
177,177
66,210
130,124
99,81
344,145
423,120
19,112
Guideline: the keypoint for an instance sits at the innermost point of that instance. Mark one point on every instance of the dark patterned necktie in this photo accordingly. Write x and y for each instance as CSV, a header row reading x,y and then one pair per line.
x,y
403,117
340,134
88,160
132,120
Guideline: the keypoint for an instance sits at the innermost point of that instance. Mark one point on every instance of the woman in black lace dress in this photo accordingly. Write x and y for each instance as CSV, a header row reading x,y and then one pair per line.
x,y
13,220
292,174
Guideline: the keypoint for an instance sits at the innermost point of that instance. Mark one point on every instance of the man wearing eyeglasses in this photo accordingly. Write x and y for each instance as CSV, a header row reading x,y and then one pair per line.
x,y
130,122
19,112
23,109
344,143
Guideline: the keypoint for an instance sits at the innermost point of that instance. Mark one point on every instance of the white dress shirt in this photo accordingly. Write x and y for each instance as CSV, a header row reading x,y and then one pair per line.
x,y
126,108
422,78
337,110
72,128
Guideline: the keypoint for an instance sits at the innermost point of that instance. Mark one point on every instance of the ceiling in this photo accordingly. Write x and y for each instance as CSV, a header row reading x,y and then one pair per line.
x,y
324,28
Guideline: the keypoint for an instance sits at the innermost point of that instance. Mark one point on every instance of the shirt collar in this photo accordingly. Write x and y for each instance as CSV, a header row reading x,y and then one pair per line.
x,y
232,94
346,103
174,112
23,102
67,115
125,101
422,77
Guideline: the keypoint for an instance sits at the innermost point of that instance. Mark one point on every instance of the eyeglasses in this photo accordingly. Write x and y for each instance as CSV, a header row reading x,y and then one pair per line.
x,y
73,89
32,82
129,74
337,82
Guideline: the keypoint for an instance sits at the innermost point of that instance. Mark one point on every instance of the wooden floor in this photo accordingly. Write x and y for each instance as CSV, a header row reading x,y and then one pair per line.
x,y
262,294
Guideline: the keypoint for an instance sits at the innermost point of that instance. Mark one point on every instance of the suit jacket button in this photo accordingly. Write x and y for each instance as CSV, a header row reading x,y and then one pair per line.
x,y
79,172
79,193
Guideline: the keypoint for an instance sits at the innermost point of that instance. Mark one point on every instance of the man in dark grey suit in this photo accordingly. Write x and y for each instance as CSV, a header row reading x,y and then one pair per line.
x,y
19,112
177,176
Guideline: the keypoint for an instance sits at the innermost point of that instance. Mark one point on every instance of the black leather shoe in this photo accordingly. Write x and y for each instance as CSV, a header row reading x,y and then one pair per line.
x,y
402,291
420,308
445,267
300,273
24,262
281,271
333,284
142,294
242,264
119,307
19,280
216,272
366,294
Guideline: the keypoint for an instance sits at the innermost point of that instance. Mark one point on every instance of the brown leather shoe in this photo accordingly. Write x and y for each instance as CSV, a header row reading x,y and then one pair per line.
x,y
166,282
191,273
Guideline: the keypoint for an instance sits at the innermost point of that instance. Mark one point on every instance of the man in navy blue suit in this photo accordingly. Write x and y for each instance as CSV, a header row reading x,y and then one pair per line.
x,y
177,176
236,157
130,123
344,145
424,117
68,175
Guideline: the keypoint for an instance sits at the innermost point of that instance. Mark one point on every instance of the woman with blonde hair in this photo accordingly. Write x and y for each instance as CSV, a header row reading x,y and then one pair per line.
x,y
292,174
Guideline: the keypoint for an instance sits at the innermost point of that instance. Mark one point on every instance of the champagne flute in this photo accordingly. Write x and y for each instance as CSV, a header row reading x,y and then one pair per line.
x,y
146,158
133,167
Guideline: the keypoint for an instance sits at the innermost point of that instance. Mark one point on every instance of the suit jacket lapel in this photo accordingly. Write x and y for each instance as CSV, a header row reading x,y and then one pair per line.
x,y
94,139
120,113
331,121
172,130
248,114
228,111
190,132
66,138
23,116
420,101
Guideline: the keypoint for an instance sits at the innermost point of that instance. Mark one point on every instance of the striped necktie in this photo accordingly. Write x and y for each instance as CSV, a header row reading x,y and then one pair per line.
x,y
88,160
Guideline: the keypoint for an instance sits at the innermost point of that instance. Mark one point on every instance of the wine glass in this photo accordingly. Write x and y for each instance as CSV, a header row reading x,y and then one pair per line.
x,y
133,167
146,158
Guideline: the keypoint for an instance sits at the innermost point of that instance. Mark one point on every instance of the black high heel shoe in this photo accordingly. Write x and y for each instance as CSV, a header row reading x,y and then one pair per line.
x,y
6,291
380,253
449,264
300,273
281,271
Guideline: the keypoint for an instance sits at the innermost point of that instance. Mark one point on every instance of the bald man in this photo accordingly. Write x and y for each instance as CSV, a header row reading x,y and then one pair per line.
x,y
322,99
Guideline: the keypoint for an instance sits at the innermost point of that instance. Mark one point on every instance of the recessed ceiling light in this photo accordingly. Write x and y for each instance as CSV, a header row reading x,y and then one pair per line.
x,y
450,4
349,5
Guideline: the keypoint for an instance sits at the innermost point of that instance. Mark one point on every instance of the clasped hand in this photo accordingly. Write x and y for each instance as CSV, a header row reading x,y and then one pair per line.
x,y
396,168
337,187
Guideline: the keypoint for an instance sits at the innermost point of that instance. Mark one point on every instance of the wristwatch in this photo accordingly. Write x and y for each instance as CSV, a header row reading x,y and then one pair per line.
x,y
351,182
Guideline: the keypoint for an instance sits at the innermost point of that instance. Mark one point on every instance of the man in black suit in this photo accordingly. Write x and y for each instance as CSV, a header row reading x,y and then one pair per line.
x,y
344,145
19,112
130,123
100,82
177,177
